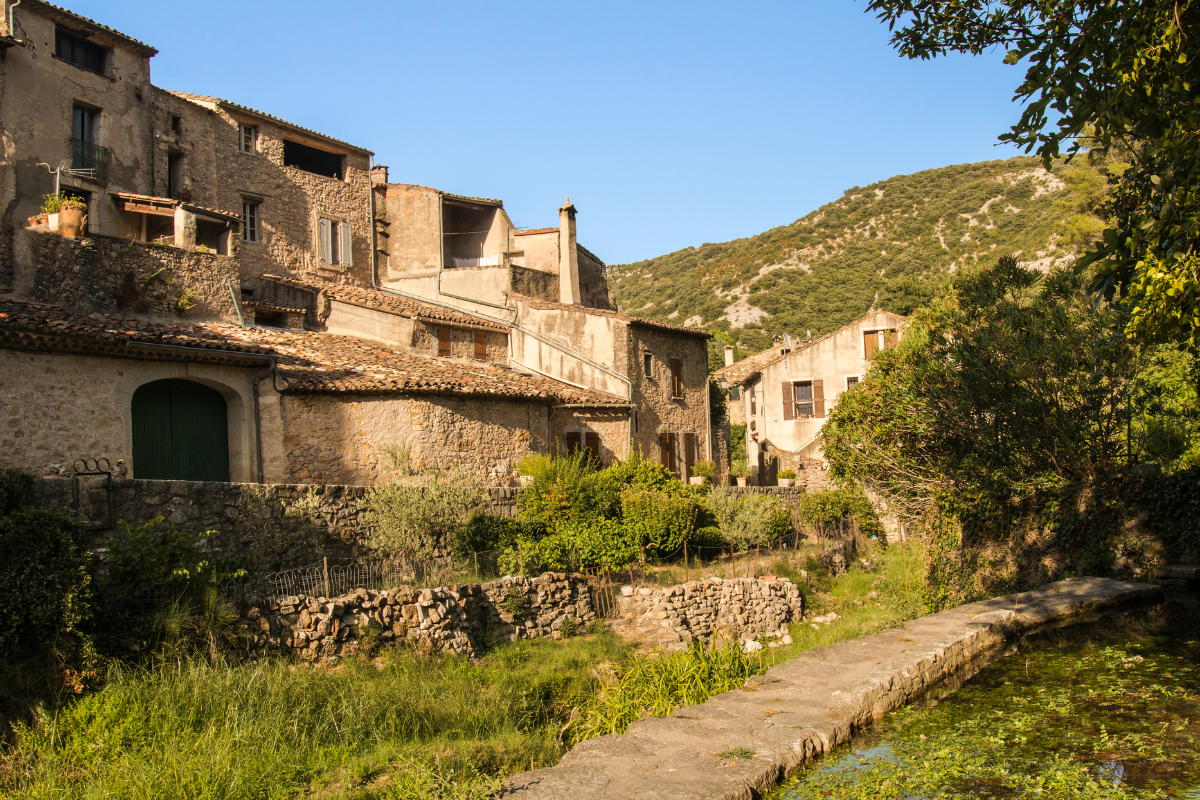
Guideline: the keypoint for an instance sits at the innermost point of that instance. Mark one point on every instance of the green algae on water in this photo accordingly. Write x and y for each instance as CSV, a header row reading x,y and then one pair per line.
x,y
1109,709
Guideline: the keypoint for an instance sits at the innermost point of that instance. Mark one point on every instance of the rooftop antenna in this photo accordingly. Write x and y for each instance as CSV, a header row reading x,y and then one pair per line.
x,y
65,164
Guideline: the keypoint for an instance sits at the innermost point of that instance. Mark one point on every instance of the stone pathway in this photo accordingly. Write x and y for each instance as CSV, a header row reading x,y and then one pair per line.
x,y
805,706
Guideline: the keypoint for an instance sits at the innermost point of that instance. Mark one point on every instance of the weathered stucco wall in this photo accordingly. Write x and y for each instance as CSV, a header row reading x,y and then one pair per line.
x,y
593,285
56,408
342,439
412,230
597,337
102,274
538,249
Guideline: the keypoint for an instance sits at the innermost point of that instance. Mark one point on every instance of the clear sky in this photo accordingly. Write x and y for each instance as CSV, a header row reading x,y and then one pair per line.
x,y
668,123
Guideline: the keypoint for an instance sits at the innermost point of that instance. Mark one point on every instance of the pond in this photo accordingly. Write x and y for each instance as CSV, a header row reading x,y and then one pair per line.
x,y
1103,709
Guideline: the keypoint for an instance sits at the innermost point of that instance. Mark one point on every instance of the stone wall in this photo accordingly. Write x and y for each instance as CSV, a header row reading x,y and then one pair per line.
x,y
331,439
731,610
455,618
533,283
109,275
658,412
275,526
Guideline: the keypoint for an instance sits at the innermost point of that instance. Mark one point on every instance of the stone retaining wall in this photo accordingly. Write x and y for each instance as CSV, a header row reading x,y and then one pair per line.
x,y
731,609
455,618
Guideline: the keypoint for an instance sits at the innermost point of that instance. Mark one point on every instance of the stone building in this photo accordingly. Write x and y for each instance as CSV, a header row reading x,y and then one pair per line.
x,y
250,300
787,391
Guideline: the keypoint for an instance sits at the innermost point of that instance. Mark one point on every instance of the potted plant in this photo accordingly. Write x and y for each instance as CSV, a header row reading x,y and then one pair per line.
x,y
63,213
741,471
787,477
703,472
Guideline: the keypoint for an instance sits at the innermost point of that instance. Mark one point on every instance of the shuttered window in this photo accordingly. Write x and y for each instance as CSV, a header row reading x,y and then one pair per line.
x,y
803,399
789,409
666,450
573,441
689,452
480,346
874,341
592,442
336,242
676,377
735,393
326,233
443,340
249,221
753,402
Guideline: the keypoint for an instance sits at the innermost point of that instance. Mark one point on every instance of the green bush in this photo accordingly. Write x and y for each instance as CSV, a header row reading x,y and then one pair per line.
x,y
836,511
788,474
739,469
54,203
490,532
748,521
662,519
44,583
705,469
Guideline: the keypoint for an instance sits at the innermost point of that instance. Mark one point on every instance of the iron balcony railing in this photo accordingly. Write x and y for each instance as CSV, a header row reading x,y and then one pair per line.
x,y
89,160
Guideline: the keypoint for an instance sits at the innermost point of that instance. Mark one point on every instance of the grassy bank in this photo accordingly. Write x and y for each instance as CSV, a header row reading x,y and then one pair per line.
x,y
403,725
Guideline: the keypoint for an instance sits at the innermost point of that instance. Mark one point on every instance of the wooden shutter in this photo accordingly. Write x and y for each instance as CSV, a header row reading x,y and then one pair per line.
x,y
664,449
818,393
480,346
789,405
689,451
592,442
676,377
573,442
326,235
344,251
443,340
870,343
890,338
672,443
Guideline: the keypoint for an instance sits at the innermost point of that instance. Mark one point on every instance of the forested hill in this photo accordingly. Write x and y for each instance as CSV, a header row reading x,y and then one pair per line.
x,y
887,244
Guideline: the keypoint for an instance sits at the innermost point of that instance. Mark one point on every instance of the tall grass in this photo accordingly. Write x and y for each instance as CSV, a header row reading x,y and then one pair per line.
x,y
188,729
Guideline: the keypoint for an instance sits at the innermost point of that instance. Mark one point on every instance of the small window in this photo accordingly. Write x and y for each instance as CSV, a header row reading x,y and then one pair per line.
x,y
592,442
310,159
443,332
666,450
753,403
851,381
676,377
83,124
248,138
574,440
480,346
249,221
79,51
176,123
874,341
647,365
735,393
335,242
803,392
803,399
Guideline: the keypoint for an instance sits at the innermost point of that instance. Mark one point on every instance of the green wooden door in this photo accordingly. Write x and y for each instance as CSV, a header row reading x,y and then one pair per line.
x,y
180,432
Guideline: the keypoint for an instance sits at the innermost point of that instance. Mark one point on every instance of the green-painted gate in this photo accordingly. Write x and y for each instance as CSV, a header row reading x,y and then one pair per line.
x,y
180,432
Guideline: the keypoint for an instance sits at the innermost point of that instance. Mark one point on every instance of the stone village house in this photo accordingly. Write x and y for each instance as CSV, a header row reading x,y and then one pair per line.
x,y
253,301
783,394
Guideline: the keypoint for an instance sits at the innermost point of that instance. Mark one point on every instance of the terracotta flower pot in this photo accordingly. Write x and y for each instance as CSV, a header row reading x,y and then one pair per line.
x,y
742,481
786,482
70,222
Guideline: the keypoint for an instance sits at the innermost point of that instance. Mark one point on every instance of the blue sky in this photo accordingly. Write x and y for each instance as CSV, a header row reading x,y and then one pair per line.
x,y
669,124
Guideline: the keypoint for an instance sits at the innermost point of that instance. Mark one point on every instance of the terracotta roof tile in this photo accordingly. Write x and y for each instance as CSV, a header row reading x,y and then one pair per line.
x,y
307,362
217,101
92,23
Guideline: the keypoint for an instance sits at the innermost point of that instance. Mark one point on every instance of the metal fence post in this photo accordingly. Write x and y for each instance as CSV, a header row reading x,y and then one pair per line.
x,y
325,561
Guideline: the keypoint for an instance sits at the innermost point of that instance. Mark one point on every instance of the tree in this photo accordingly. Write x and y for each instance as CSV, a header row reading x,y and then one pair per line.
x,y
1124,70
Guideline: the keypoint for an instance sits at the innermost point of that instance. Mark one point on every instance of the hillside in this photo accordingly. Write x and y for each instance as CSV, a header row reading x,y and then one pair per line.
x,y
888,243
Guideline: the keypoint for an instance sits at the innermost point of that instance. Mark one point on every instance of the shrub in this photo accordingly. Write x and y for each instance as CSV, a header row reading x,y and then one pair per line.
x,y
54,203
788,474
661,519
739,469
839,511
419,510
749,521
705,469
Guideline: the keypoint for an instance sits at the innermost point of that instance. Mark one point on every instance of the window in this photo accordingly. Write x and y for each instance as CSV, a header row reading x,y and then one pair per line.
x,y
874,341
310,159
666,450
480,346
753,402
444,341
335,243
248,138
851,381
735,393
676,377
174,175
689,452
249,221
79,51
803,399
647,365
83,124
591,441
176,123
573,442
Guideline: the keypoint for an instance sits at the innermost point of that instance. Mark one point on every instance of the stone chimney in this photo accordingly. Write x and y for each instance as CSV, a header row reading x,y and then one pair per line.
x,y
568,256
728,354
379,175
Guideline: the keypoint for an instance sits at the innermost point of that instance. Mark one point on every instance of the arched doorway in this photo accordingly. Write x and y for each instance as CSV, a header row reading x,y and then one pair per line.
x,y
180,432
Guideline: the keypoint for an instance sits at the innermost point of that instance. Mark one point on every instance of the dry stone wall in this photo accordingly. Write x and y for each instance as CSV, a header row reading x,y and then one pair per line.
x,y
450,618
729,610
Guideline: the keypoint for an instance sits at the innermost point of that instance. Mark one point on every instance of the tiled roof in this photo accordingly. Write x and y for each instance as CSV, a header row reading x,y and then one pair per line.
x,y
253,303
390,303
217,101
535,230
307,362
491,201
637,322
93,24
166,201
737,372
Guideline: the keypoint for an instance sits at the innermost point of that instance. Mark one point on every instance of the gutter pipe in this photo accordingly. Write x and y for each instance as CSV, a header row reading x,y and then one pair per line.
x,y
12,23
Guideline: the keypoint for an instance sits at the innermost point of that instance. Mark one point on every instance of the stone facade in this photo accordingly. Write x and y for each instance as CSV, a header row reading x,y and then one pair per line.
x,y
658,411
450,618
334,439
104,274
733,609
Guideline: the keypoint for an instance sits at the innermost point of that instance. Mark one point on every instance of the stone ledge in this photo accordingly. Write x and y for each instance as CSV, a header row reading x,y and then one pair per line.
x,y
804,707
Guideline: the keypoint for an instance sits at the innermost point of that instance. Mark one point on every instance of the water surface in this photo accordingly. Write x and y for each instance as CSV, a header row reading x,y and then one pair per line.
x,y
1103,709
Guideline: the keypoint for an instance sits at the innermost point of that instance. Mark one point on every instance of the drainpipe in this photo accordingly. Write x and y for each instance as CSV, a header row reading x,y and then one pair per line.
x,y
258,414
12,22
236,305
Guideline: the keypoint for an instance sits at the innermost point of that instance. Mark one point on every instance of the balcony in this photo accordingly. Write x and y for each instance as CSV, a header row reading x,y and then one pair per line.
x,y
88,160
